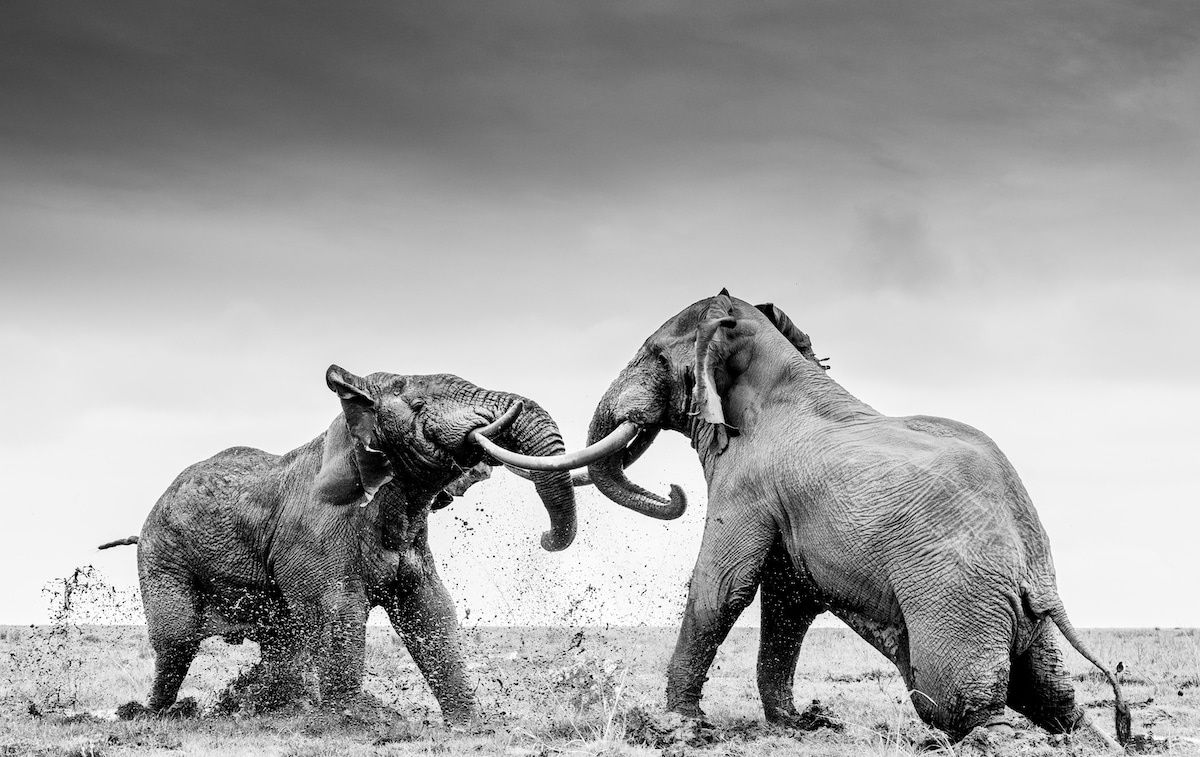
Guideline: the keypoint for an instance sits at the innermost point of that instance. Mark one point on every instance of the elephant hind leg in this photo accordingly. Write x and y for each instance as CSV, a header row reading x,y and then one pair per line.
x,y
173,620
959,667
1040,688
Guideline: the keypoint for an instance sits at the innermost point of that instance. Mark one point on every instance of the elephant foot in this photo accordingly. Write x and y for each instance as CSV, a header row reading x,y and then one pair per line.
x,y
360,712
998,735
263,688
183,708
464,720
690,711
133,711
1001,729
685,729
814,717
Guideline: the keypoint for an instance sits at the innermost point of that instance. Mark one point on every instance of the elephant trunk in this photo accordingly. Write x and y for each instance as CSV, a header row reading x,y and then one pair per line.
x,y
534,432
639,394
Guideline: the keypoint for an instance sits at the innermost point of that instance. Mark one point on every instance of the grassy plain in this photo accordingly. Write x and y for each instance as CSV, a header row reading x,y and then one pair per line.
x,y
544,691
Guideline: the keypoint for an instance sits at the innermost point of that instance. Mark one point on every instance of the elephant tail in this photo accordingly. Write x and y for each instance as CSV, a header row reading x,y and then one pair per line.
x,y
1058,613
119,542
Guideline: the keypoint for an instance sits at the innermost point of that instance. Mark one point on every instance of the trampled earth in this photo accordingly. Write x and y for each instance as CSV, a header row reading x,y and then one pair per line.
x,y
546,691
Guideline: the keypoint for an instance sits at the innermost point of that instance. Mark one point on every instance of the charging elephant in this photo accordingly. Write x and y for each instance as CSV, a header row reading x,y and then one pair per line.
x,y
294,550
915,531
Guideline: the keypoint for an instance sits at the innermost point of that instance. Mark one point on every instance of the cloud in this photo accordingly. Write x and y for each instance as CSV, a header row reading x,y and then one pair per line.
x,y
203,205
894,250
541,94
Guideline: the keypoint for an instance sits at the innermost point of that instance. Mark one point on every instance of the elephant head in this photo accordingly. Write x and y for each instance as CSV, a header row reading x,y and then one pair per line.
x,y
422,431
681,379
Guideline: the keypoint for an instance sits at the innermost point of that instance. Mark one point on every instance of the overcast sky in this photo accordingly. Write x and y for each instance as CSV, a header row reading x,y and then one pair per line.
x,y
986,211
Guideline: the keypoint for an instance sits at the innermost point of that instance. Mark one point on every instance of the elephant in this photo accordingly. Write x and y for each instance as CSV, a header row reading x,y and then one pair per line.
x,y
294,550
915,531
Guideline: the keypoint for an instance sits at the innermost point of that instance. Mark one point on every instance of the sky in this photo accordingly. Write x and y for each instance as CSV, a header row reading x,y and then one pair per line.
x,y
984,211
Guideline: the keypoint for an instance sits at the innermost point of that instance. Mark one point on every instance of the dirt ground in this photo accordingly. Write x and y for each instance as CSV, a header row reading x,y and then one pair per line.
x,y
548,691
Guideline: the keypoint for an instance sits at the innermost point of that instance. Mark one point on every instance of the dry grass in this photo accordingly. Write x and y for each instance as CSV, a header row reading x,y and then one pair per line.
x,y
544,691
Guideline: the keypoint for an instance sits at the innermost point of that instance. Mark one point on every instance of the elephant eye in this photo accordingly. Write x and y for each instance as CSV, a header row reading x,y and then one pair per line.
x,y
416,403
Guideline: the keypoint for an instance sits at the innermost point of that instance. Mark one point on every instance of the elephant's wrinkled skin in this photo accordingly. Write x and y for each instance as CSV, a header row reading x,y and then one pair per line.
x,y
293,550
915,531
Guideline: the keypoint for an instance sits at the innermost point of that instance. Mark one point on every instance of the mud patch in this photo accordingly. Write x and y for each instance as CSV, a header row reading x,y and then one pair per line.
x,y
1145,743
671,730
365,716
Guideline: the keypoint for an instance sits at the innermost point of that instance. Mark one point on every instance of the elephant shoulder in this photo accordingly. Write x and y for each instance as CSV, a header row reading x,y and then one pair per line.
x,y
936,426
932,425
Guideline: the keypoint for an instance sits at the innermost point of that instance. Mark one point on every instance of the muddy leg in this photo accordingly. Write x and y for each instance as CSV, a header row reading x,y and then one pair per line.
x,y
1041,690
1039,687
423,615
173,624
959,671
280,673
724,581
342,664
786,616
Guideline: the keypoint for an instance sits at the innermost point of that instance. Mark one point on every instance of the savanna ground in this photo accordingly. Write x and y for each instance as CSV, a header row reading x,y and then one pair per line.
x,y
545,691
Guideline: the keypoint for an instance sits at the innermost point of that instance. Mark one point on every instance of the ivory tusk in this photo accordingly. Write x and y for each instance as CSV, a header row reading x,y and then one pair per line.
x,y
615,441
501,423
578,477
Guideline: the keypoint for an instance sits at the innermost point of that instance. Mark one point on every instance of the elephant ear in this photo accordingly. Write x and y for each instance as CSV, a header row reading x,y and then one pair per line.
x,y
715,342
354,462
798,338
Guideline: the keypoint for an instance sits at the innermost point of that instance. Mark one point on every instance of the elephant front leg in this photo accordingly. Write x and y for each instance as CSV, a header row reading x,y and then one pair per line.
x,y
282,666
330,630
342,668
723,583
423,615
787,612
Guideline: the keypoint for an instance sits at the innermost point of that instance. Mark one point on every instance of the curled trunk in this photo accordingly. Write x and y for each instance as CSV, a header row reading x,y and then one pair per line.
x,y
534,432
637,395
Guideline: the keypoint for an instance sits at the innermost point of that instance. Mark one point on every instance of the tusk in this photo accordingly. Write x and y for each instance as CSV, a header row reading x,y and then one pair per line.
x,y
578,477
501,423
603,448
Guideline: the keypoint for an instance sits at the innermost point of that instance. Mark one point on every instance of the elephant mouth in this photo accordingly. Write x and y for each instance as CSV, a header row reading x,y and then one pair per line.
x,y
445,456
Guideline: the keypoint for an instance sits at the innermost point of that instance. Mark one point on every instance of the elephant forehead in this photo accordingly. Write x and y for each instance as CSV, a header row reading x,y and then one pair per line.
x,y
388,383
433,384
685,322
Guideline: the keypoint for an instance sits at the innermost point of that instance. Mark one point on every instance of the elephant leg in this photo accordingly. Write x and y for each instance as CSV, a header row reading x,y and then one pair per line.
x,y
173,619
343,651
959,668
281,666
724,582
1040,687
423,615
786,615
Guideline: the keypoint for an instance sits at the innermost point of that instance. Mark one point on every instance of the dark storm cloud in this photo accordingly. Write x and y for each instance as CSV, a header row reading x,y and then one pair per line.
x,y
237,146
545,91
